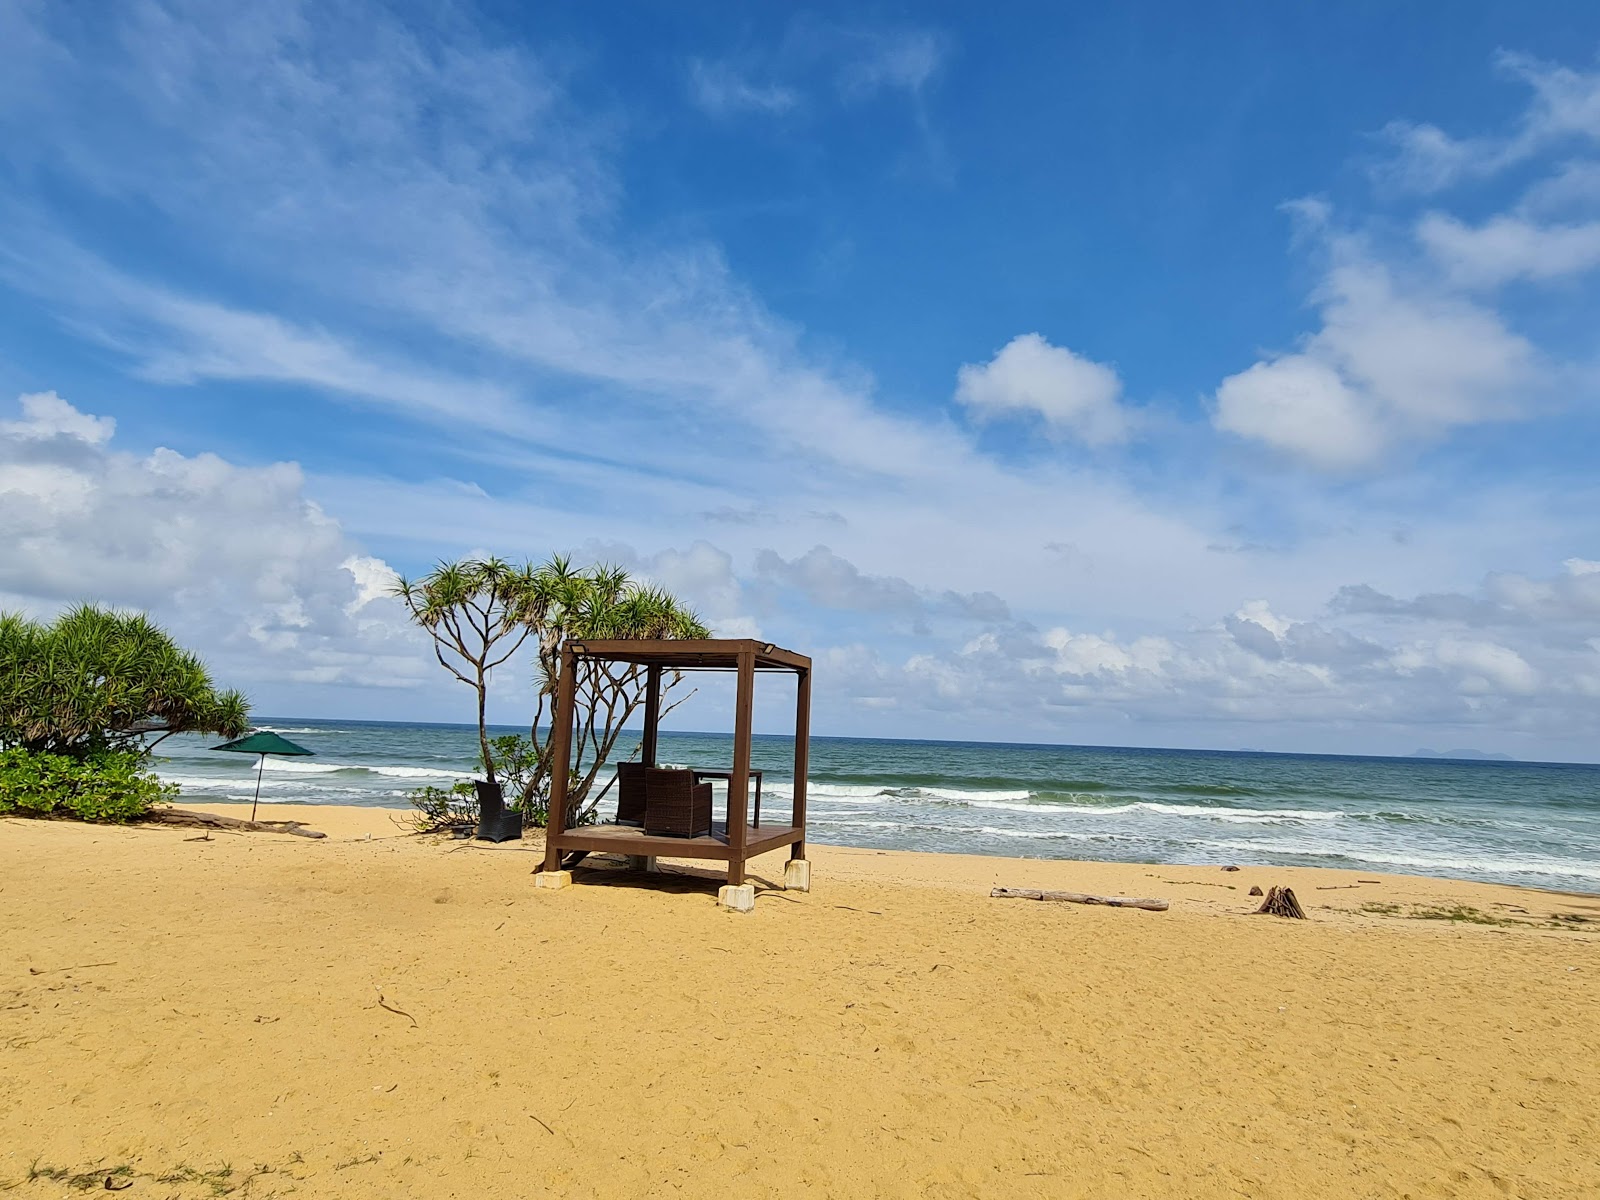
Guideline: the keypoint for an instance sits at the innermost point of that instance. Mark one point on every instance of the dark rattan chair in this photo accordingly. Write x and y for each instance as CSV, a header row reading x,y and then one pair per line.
x,y
674,805
630,793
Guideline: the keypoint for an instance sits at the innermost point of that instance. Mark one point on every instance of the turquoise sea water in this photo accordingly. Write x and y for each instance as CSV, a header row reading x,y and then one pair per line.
x,y
1527,823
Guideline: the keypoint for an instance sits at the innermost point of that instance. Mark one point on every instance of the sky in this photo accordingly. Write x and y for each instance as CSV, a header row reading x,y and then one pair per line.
x,y
1121,374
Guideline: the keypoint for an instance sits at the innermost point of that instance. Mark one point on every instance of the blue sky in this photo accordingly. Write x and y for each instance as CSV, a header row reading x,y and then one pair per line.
x,y
1127,373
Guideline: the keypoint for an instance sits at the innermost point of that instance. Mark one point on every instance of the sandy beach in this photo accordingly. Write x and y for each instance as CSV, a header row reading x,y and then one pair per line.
x,y
377,1014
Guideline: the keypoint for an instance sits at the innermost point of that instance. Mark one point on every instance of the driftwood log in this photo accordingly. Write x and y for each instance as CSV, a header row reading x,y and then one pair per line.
x,y
200,820
1280,902
1079,898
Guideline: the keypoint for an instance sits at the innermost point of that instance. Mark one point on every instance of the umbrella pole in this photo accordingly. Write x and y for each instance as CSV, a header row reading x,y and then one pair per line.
x,y
260,765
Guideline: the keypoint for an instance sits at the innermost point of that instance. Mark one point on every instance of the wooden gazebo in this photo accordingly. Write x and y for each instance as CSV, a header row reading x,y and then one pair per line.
x,y
733,841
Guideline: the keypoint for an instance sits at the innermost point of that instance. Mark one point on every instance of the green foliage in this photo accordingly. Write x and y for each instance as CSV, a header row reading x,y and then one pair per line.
x,y
442,809
105,786
525,779
95,681
480,612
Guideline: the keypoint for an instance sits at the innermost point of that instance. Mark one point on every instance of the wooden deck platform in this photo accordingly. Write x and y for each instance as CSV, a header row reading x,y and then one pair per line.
x,y
629,839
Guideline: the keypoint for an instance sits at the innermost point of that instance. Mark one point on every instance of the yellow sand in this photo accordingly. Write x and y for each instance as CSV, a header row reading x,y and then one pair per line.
x,y
176,1008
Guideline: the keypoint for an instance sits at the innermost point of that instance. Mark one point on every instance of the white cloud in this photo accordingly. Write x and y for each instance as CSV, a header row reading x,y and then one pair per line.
x,y
237,563
46,415
1390,364
1302,406
1073,395
1412,342
1507,248
1256,670
1486,666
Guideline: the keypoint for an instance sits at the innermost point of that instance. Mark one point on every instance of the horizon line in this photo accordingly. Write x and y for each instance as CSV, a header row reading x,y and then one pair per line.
x,y
1477,758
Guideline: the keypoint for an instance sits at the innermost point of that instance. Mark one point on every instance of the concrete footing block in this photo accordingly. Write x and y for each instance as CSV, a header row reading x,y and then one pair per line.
x,y
797,875
643,862
553,879
741,898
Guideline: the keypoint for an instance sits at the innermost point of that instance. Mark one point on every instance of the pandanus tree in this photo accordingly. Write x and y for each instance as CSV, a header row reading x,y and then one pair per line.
x,y
94,681
481,612
601,603
478,612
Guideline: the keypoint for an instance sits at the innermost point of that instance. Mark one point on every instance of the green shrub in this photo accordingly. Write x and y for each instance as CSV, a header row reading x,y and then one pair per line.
x,y
109,786
442,809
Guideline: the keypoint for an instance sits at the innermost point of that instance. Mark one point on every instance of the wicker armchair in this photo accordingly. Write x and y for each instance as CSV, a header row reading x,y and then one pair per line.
x,y
674,805
630,793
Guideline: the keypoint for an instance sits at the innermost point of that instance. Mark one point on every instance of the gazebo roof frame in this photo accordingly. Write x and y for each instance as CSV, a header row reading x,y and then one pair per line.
x,y
711,654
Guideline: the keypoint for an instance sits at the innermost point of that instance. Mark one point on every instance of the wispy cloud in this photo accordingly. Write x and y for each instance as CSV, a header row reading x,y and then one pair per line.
x,y
721,90
820,63
903,60
1564,109
424,224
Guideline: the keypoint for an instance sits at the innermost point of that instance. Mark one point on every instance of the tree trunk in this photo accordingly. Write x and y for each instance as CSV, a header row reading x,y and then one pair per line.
x,y
483,730
189,818
1079,898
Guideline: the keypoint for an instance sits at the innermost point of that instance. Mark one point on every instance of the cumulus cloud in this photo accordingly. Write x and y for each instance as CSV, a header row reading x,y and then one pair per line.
x,y
1258,667
1508,248
240,565
1074,396
1414,340
1391,363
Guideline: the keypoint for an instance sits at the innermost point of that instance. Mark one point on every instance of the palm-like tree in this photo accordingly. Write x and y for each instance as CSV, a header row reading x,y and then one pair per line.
x,y
96,680
601,603
479,612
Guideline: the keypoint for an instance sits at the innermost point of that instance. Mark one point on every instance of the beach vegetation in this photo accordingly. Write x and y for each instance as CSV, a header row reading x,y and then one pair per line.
x,y
94,681
603,602
440,810
480,613
84,699
109,785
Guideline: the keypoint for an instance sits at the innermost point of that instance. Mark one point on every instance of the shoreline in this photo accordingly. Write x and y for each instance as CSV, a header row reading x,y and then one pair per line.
x,y
381,1013
1333,889
349,817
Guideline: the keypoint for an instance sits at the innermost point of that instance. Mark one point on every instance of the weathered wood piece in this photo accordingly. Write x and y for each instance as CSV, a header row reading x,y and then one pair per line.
x,y
1280,902
1001,893
191,819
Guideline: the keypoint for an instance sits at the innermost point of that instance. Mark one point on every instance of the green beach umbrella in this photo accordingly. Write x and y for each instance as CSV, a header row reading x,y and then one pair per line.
x,y
262,743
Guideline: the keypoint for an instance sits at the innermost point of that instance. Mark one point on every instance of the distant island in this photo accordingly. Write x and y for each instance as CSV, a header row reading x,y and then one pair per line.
x,y
1475,754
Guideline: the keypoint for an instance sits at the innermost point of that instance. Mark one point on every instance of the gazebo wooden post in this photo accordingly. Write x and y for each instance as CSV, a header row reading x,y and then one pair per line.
x,y
802,757
739,785
561,759
652,715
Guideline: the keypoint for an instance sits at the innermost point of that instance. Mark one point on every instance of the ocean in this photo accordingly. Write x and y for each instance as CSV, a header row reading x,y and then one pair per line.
x,y
1536,824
